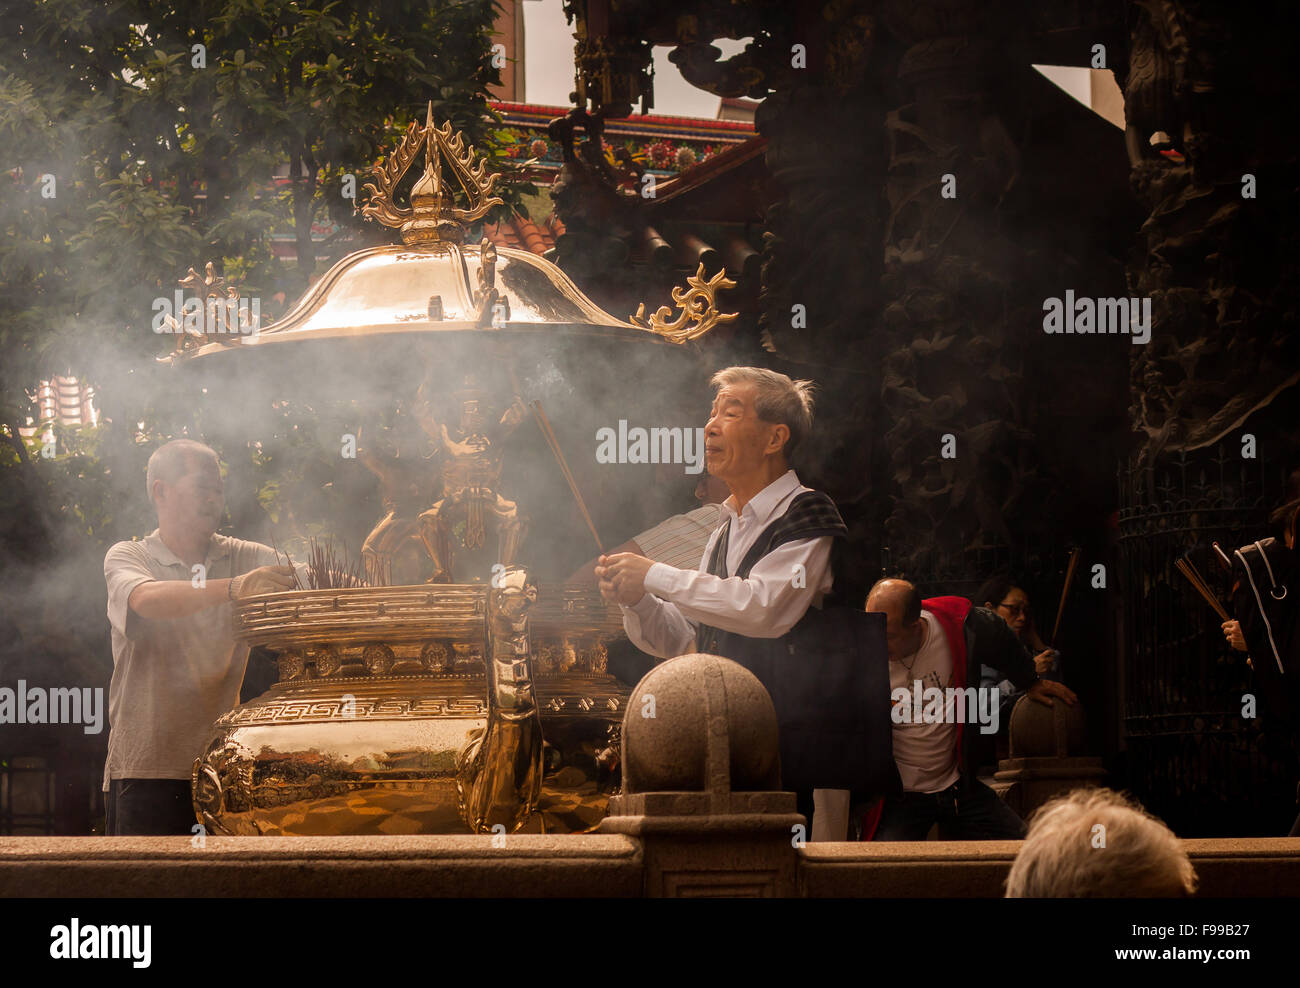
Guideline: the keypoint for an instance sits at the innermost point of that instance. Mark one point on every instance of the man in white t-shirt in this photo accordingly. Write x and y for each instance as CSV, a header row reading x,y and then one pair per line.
x,y
176,665
926,753
941,643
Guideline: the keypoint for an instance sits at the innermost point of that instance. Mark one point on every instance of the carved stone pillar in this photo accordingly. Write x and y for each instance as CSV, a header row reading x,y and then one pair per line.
x,y
952,385
1218,253
822,252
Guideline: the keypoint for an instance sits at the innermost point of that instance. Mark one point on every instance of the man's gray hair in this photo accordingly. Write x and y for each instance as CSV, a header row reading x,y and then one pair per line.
x,y
171,461
1095,843
778,399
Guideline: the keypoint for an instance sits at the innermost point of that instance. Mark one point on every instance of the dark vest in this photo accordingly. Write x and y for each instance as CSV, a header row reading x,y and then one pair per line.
x,y
828,676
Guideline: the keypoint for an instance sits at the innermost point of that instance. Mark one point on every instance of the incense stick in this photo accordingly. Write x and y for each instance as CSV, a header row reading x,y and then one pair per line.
x,y
1065,591
1201,587
297,584
1222,556
1198,582
549,434
553,441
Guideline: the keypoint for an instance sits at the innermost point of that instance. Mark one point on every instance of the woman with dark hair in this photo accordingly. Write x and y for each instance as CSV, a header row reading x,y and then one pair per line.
x,y
1002,595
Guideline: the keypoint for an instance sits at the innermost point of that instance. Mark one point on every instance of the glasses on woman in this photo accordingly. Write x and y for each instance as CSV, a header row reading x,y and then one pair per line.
x,y
1015,609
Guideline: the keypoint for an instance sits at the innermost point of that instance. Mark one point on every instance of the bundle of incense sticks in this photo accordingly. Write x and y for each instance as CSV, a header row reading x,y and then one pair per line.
x,y
328,570
549,434
1194,578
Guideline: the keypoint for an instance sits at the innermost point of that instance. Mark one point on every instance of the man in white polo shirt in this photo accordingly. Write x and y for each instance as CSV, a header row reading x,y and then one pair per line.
x,y
176,665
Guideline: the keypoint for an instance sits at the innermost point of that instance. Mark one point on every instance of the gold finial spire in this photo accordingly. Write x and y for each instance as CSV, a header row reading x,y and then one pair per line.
x,y
432,214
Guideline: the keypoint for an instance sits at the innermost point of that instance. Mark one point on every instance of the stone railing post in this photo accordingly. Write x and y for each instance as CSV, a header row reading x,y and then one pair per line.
x,y
1046,755
701,784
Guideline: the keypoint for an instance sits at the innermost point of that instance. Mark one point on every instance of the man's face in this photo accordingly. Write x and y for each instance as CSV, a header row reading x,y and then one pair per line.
x,y
196,503
901,640
735,439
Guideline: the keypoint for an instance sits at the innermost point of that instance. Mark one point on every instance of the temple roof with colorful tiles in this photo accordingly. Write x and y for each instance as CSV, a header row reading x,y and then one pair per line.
x,y
682,152
664,145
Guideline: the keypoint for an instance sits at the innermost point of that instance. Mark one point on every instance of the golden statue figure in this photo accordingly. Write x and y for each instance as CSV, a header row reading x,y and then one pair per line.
x,y
408,478
471,473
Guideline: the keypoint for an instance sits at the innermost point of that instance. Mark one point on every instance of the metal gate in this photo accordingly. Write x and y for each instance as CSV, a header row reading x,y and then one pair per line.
x,y
1191,756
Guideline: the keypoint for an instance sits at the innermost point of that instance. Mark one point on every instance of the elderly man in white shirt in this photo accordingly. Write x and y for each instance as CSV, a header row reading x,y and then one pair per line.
x,y
663,606
766,565
176,664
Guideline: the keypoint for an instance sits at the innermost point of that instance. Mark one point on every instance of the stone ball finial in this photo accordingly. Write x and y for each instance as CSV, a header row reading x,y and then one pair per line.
x,y
700,723
1039,731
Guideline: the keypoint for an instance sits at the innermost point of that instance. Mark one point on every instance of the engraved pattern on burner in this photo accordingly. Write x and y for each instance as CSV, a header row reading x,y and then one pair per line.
x,y
298,711
304,709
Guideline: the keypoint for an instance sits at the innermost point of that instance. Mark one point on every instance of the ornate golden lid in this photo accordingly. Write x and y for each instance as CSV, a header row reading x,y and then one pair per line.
x,y
436,283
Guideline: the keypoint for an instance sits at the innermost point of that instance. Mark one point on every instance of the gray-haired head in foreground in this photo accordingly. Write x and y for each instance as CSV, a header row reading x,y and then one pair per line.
x,y
778,399
171,461
1096,844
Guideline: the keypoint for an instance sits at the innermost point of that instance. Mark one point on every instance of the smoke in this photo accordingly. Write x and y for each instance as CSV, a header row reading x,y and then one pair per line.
x,y
113,240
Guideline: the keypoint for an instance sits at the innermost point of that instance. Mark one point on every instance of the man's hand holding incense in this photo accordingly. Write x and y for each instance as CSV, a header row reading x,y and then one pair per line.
x,y
622,577
1045,661
1232,632
264,579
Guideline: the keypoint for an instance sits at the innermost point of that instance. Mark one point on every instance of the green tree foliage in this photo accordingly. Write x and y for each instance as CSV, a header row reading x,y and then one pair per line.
x,y
140,138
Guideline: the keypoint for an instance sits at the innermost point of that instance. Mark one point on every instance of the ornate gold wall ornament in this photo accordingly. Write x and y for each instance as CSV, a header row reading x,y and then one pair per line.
x,y
499,770
698,305
432,215
222,319
487,298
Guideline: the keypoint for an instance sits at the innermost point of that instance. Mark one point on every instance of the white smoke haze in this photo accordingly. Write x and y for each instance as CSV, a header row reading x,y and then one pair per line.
x,y
119,239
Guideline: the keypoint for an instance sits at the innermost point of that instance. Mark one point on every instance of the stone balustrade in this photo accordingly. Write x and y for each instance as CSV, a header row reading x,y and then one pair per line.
x,y
701,815
715,862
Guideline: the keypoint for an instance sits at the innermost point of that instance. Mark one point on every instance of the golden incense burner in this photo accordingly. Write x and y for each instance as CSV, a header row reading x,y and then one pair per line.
x,y
423,709
443,707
